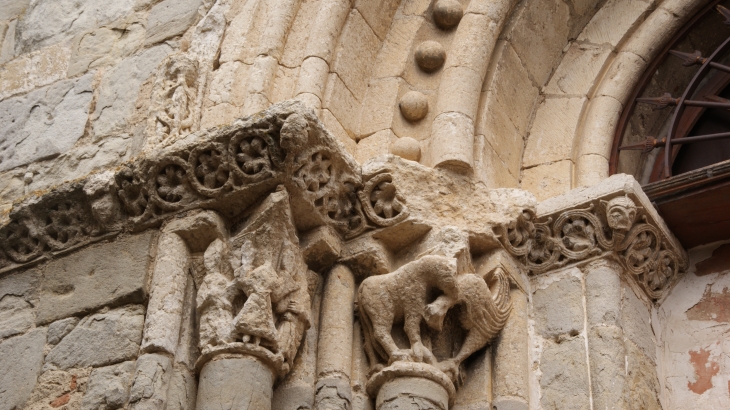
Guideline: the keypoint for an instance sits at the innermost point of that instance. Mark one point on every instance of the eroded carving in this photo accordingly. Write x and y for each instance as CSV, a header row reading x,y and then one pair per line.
x,y
174,98
407,295
254,298
578,234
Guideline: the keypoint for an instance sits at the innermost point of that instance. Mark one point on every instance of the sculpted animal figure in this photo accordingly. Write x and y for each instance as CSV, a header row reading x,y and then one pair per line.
x,y
402,296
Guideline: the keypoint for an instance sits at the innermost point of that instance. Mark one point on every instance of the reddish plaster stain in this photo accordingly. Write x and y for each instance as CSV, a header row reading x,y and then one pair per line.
x,y
719,261
73,383
712,306
704,373
61,400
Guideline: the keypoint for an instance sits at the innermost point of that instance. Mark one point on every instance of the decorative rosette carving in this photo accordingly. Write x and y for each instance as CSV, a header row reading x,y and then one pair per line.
x,y
381,201
20,241
578,234
210,164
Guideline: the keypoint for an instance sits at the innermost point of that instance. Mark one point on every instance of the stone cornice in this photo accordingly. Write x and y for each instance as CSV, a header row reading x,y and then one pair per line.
x,y
611,219
226,169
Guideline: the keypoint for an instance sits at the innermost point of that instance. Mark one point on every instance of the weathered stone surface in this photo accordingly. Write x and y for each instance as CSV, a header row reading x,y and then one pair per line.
x,y
21,359
356,53
558,309
108,387
636,320
108,273
43,123
608,365
551,135
564,379
241,383
612,21
105,46
642,385
36,69
18,299
101,339
118,91
60,328
151,377
48,22
510,367
170,18
181,391
548,180
10,9
603,294
578,70
59,389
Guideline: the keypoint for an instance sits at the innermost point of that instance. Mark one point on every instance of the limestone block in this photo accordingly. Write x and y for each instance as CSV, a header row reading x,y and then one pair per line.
x,y
459,91
648,40
101,339
57,388
105,46
406,148
564,379
495,10
379,105
553,131
539,35
18,299
48,22
374,145
624,70
181,390
340,101
392,57
603,293
636,318
21,359
220,114
452,143
416,7
43,123
608,363
490,168
613,21
548,180
355,55
228,83
108,387
600,123
324,36
558,309
294,49
579,69
60,328
9,9
285,83
258,85
582,7
170,18
119,88
7,47
642,384
333,124
336,327
240,19
313,78
89,279
378,14
151,377
33,70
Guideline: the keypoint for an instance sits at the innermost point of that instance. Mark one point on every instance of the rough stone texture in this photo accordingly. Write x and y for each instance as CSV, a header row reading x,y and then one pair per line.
x,y
612,21
33,70
181,390
59,389
43,123
608,366
548,180
48,22
18,300
356,54
636,319
60,328
564,379
151,377
551,135
558,309
578,69
108,387
106,46
21,359
603,294
235,384
510,367
119,87
103,274
170,18
101,339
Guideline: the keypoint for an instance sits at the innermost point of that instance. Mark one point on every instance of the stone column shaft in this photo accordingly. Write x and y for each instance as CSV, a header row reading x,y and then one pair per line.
x,y
235,383
412,393
334,358
511,358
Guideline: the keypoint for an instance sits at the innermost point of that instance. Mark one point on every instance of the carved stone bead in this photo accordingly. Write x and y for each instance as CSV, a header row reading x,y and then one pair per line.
x,y
430,56
447,13
413,105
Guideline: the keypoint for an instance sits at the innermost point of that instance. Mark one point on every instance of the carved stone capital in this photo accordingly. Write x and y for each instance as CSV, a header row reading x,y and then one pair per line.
x,y
612,219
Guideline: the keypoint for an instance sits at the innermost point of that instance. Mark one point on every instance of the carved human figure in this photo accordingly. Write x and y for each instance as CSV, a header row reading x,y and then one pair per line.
x,y
176,97
620,213
215,297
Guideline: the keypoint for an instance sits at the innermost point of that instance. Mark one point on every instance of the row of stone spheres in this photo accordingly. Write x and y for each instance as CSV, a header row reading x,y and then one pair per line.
x,y
340,205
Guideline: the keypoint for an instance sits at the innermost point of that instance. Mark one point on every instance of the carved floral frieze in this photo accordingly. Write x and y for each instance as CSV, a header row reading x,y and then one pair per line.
x,y
614,227
225,169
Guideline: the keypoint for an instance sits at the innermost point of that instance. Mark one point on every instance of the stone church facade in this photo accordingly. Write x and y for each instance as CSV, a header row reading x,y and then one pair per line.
x,y
357,204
